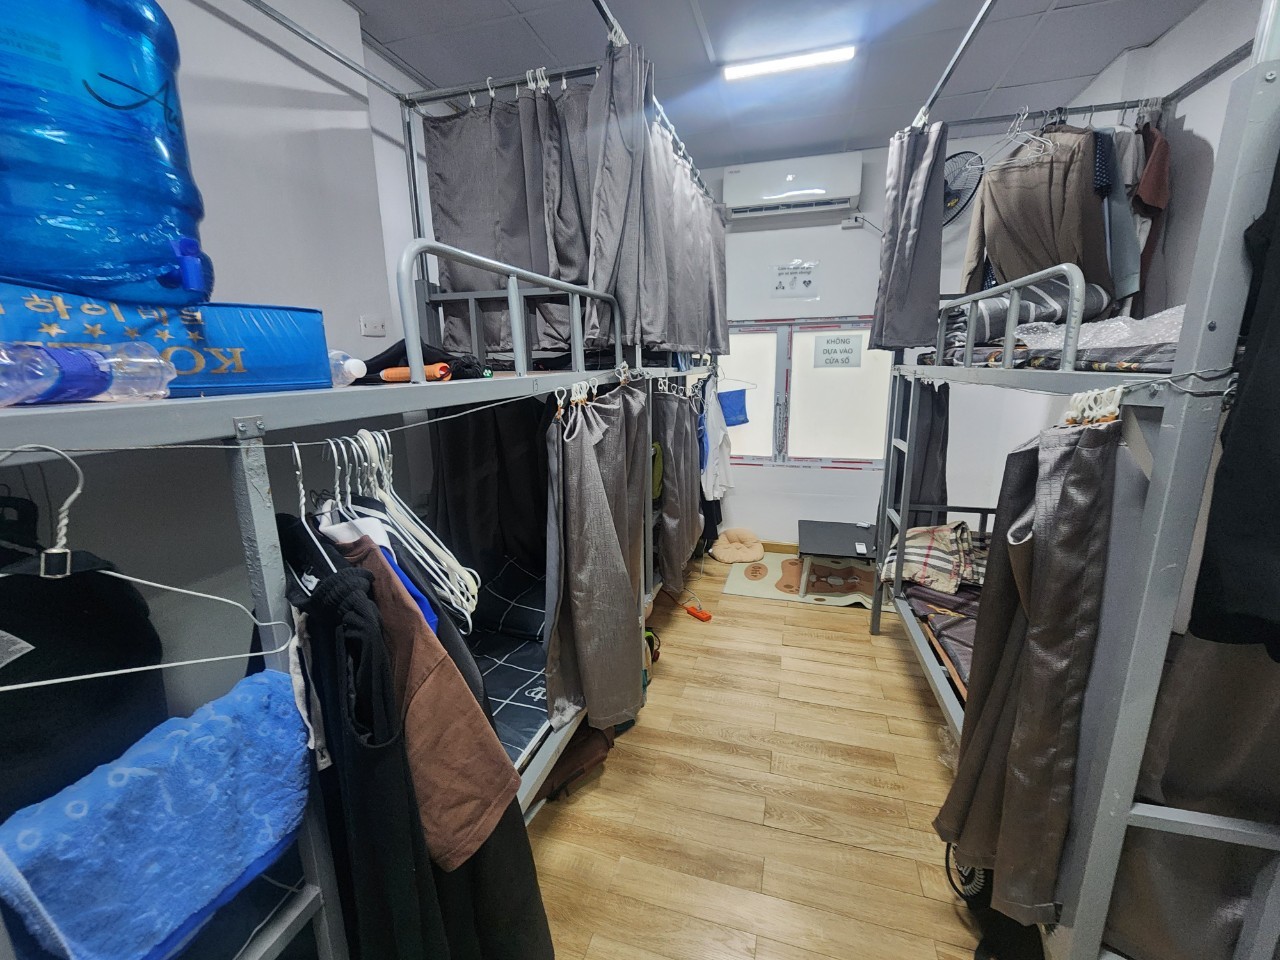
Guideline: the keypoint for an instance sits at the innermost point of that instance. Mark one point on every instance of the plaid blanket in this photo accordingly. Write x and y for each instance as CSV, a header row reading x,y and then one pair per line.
x,y
941,557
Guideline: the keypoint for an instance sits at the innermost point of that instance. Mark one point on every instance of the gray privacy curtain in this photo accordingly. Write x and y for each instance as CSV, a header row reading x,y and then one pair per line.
x,y
675,430
583,185
479,202
1010,805
595,558
929,465
906,313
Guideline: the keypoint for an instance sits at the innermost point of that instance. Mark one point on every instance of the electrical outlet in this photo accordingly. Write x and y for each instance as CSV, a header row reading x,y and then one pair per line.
x,y
372,326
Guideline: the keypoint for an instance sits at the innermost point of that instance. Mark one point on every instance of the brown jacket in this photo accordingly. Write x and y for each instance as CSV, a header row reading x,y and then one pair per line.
x,y
462,778
1035,215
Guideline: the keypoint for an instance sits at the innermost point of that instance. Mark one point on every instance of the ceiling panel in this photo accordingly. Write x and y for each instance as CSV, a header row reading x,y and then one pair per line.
x,y
570,40
904,71
499,49
993,49
665,28
752,29
1038,96
1107,29
778,140
391,20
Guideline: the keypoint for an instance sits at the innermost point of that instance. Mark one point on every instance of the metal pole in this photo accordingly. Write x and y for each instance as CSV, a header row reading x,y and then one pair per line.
x,y
411,169
1266,43
519,342
575,334
915,390
886,493
251,489
1011,328
922,117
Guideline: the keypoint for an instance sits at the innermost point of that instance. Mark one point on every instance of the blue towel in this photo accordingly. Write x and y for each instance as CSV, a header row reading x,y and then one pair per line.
x,y
130,861
733,404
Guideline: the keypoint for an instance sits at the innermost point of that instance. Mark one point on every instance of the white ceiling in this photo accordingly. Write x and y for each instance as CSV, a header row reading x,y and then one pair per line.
x,y
1036,52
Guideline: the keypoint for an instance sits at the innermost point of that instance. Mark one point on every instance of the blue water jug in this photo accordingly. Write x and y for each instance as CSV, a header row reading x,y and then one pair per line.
x,y
96,195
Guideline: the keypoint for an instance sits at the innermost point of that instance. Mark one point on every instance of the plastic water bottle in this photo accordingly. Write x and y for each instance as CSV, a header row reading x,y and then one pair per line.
x,y
125,371
345,369
96,194
25,372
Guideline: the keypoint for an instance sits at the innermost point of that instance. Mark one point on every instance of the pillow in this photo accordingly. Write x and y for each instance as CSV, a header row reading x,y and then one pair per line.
x,y
738,545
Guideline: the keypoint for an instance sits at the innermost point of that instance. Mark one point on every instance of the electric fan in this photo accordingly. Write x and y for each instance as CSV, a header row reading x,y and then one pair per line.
x,y
962,173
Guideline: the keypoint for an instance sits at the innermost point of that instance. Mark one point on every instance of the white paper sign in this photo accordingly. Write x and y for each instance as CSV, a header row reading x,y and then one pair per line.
x,y
837,350
797,280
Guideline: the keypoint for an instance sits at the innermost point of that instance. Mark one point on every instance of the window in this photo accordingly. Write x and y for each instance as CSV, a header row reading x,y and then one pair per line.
x,y
815,393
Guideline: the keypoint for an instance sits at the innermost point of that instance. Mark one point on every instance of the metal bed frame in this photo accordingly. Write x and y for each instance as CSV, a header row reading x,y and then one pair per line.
x,y
242,421
1180,430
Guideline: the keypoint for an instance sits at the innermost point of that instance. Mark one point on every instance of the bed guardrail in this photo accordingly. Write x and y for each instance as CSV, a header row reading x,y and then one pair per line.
x,y
1071,334
516,307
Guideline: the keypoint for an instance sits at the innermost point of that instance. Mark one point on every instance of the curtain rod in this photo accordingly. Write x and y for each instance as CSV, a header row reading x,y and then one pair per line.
x,y
922,117
1237,56
419,98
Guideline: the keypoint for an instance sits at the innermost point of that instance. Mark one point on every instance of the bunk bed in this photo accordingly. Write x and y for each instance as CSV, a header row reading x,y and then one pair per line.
x,y
1174,427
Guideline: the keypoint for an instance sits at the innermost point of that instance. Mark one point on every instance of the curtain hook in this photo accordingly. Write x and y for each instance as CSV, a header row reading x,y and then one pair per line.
x,y
472,97
488,82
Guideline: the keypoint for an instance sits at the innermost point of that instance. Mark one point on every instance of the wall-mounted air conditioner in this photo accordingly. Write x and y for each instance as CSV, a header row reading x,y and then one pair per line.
x,y
832,182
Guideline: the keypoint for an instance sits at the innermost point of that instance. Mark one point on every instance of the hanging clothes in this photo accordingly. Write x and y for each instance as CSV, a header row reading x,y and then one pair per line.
x,y
1036,212
1124,251
716,477
389,902
85,623
1240,569
461,776
906,311
675,429
595,558
1154,191
1010,805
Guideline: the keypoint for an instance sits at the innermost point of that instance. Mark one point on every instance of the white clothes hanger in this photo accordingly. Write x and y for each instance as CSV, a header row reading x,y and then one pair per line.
x,y
61,550
1024,146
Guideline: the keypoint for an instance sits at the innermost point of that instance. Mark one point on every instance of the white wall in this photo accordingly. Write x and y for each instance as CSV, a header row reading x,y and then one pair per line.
x,y
1208,34
985,422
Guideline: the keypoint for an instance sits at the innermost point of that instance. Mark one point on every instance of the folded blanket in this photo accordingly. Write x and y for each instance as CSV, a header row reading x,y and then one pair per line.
x,y
131,860
934,556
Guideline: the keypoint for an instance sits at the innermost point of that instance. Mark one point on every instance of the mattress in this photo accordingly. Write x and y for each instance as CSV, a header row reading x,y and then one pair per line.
x,y
515,679
1118,345
952,619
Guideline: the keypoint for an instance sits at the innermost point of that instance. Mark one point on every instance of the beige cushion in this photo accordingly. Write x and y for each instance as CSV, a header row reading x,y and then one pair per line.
x,y
738,545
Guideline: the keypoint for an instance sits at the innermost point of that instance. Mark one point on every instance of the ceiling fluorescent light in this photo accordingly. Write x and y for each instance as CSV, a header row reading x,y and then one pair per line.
x,y
739,71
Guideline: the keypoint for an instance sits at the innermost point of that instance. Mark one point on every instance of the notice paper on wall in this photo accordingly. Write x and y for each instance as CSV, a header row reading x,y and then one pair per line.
x,y
797,280
837,350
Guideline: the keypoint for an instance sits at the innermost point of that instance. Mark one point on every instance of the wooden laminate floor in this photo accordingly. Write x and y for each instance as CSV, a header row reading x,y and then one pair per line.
x,y
773,801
